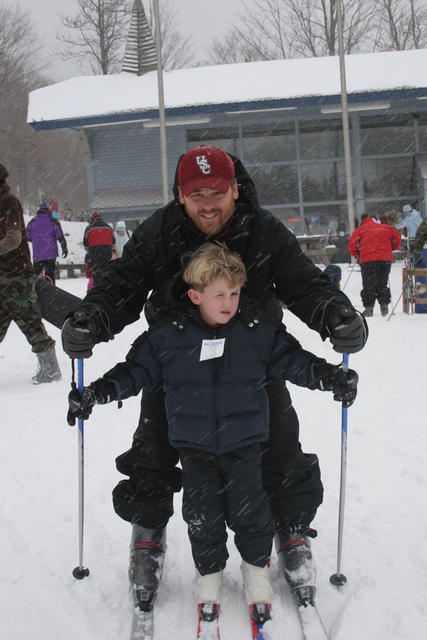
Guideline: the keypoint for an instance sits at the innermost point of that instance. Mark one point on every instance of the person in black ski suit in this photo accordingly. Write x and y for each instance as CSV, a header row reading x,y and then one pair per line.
x,y
212,359
215,199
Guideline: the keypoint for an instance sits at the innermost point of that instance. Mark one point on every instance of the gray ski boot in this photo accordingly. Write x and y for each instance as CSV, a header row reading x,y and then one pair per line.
x,y
296,560
48,368
147,552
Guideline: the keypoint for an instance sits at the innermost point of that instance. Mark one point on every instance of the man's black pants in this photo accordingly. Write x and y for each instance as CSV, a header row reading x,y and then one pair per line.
x,y
47,267
291,478
222,490
374,280
100,257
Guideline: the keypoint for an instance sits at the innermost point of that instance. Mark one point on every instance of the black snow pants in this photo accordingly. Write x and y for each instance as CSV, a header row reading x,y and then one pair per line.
x,y
291,478
374,280
47,267
222,490
100,256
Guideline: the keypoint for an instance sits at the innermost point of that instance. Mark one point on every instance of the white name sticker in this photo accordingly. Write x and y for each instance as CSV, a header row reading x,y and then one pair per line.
x,y
212,349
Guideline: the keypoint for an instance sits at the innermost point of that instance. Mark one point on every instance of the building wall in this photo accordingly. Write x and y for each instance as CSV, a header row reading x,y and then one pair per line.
x,y
128,155
295,158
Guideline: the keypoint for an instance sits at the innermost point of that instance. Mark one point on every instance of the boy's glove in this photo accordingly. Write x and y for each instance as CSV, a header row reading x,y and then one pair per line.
x,y
101,391
79,335
343,384
347,328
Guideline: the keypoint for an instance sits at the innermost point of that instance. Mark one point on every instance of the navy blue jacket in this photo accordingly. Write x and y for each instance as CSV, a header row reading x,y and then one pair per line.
x,y
220,404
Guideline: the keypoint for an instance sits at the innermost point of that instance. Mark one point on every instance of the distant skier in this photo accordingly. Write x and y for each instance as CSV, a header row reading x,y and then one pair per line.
x,y
98,241
44,232
213,362
373,242
122,236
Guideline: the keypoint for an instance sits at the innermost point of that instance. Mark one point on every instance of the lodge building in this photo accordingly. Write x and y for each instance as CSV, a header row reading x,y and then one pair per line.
x,y
282,118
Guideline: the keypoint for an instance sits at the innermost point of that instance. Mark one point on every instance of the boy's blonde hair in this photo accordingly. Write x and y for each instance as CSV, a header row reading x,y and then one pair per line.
x,y
212,261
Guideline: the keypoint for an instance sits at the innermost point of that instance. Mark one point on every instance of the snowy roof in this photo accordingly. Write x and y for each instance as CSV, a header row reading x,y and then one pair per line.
x,y
91,99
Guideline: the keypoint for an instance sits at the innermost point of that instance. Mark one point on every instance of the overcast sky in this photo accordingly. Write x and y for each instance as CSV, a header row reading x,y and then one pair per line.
x,y
203,19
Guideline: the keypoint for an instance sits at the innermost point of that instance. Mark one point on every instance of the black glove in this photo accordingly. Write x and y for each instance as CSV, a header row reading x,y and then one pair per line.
x,y
343,384
64,247
347,328
101,391
79,335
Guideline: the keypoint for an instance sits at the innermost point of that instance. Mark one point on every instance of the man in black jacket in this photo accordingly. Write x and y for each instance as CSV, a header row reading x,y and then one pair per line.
x,y
214,199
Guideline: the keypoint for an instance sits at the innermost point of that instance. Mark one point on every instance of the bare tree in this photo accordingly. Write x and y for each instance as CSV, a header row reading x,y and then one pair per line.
x,y
232,47
402,24
316,23
260,33
96,33
49,162
274,29
19,46
177,49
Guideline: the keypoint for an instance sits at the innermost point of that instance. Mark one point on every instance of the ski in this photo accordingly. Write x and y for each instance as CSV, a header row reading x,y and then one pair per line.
x,y
55,303
208,621
260,618
312,624
142,625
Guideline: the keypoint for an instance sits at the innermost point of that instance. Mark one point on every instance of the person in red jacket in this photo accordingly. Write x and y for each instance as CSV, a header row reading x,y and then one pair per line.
x,y
98,241
372,243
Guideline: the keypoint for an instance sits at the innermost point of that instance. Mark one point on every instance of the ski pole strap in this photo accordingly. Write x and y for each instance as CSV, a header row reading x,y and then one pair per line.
x,y
73,375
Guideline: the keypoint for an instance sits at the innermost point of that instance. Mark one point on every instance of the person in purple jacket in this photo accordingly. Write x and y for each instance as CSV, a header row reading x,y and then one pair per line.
x,y
45,232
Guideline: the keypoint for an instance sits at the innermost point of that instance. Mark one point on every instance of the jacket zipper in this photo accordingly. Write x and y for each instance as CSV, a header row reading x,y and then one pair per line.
x,y
214,392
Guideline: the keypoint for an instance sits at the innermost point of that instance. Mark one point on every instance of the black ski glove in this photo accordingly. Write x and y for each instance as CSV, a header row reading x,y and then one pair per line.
x,y
347,328
64,247
101,391
79,335
331,377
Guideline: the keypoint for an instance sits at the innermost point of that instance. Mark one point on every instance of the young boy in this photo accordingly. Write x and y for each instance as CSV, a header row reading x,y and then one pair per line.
x,y
214,358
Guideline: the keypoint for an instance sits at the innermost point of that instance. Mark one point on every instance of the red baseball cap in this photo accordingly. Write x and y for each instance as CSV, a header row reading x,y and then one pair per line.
x,y
205,166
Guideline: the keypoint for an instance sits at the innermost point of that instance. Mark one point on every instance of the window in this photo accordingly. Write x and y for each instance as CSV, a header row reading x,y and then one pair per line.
x,y
323,181
225,138
389,177
422,131
269,143
327,217
275,185
382,135
321,139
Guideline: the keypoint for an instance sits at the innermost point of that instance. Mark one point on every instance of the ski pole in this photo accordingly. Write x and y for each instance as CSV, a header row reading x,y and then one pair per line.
x,y
80,571
348,277
338,578
391,297
397,302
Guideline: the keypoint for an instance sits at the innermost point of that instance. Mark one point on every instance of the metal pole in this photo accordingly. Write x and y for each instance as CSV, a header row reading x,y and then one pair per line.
x,y
338,578
346,128
80,571
163,150
349,275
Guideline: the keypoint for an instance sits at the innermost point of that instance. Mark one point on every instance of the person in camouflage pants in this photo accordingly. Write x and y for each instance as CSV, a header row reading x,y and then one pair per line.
x,y
18,301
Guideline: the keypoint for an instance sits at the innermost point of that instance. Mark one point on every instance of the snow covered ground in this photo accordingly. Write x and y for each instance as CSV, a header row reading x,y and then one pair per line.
x,y
384,555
